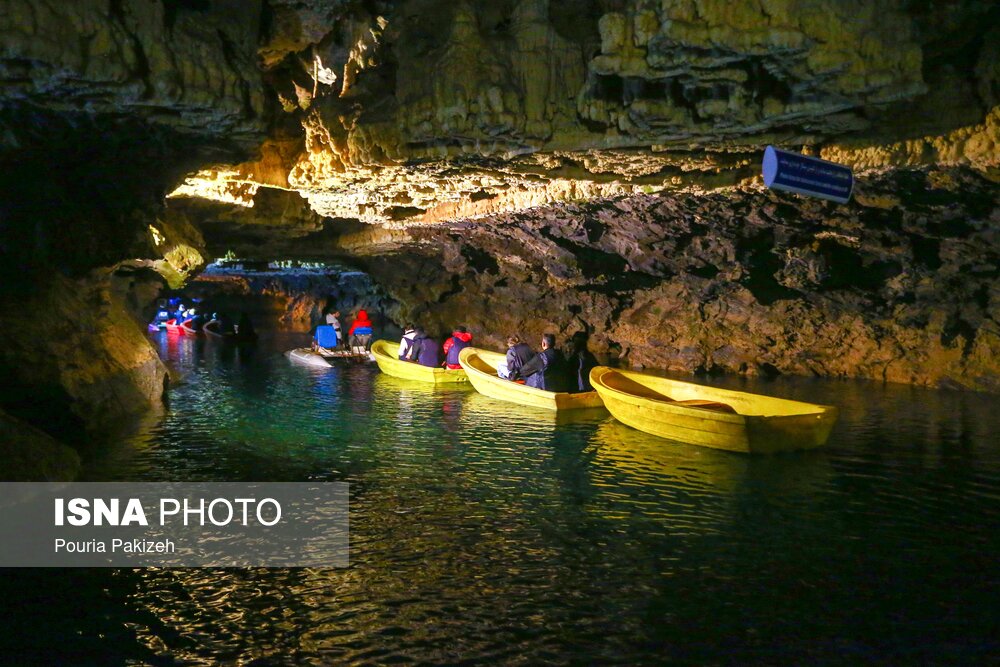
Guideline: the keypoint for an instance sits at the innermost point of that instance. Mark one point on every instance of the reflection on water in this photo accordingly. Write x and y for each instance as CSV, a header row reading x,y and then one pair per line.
x,y
483,531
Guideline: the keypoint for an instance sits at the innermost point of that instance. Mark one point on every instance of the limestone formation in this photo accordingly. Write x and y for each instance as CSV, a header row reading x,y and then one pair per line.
x,y
295,300
899,286
436,111
186,66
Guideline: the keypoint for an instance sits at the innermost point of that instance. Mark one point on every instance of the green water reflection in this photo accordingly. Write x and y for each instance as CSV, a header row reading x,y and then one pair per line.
x,y
482,531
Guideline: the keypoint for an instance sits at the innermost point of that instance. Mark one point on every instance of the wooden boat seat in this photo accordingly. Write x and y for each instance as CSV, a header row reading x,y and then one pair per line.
x,y
708,405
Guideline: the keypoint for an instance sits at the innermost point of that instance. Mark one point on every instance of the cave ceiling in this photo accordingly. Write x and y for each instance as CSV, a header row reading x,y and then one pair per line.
x,y
425,111
267,122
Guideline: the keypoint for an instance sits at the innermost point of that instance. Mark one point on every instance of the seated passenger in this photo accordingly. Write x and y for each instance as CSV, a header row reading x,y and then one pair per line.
x,y
194,320
518,354
460,339
409,333
425,350
333,319
178,315
547,369
579,362
361,331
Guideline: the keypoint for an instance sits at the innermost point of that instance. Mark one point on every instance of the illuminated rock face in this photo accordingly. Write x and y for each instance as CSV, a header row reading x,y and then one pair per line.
x,y
901,285
427,110
73,355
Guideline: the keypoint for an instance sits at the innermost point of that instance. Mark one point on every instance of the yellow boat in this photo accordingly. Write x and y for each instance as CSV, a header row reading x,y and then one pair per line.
x,y
387,357
481,366
711,417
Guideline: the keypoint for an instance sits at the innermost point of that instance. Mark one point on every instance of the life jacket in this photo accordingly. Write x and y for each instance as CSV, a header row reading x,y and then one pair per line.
x,y
428,352
362,325
458,342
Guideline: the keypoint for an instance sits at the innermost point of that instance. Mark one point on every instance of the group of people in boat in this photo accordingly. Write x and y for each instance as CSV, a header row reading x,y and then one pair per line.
x,y
550,368
420,347
330,335
219,323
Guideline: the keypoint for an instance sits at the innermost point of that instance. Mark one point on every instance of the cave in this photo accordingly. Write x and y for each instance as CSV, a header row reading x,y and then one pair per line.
x,y
499,173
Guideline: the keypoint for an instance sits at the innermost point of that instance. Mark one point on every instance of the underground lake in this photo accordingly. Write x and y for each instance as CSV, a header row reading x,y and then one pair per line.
x,y
485,532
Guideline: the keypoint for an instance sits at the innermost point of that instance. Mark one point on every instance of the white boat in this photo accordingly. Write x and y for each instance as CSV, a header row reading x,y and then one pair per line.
x,y
324,358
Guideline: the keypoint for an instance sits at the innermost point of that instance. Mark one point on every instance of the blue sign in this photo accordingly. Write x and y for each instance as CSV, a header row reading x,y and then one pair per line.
x,y
804,175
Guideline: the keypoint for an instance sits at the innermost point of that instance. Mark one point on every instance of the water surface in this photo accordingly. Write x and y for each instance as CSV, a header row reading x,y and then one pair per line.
x,y
481,531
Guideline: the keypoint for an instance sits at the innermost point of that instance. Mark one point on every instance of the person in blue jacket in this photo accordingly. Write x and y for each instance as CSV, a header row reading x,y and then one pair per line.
x,y
518,354
459,340
547,369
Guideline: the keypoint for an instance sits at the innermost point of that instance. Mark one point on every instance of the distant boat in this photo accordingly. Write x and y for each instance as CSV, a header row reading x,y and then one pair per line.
x,y
481,365
172,326
719,418
387,357
211,330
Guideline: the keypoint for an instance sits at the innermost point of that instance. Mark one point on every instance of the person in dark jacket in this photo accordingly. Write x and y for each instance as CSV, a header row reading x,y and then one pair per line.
x,y
518,354
332,318
460,339
547,369
579,362
425,350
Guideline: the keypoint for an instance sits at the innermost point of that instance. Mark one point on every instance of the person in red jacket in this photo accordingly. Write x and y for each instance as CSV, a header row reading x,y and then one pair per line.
x,y
460,339
361,331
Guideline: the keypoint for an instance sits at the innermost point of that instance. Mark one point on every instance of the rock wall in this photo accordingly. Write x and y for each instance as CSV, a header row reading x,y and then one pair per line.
x,y
73,357
295,300
104,107
899,286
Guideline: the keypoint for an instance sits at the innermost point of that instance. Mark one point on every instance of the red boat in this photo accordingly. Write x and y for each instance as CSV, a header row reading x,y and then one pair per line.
x,y
185,328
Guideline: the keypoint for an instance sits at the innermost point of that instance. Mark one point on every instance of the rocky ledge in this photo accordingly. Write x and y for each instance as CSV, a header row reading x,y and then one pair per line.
x,y
900,285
